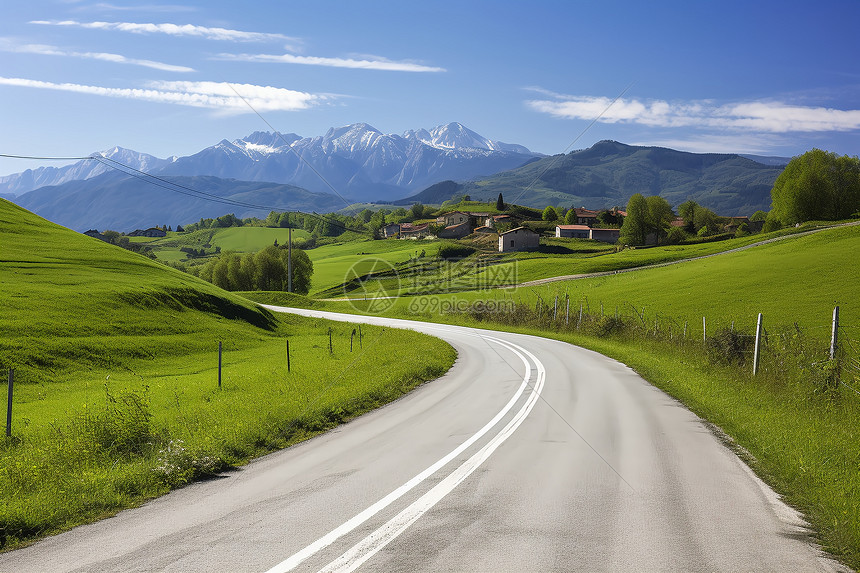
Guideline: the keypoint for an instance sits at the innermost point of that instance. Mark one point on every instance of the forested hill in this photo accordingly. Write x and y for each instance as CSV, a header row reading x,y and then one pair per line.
x,y
609,172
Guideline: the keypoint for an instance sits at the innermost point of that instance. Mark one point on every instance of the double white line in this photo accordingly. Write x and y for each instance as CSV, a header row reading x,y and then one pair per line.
x,y
370,545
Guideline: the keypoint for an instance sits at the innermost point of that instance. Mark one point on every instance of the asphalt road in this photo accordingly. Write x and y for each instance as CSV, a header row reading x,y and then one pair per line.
x,y
529,455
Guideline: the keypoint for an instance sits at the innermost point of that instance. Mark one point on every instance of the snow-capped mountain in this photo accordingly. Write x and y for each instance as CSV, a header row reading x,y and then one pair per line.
x,y
458,136
357,162
19,183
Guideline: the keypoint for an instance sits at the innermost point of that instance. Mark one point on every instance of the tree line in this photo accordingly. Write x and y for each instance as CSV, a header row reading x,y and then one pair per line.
x,y
265,270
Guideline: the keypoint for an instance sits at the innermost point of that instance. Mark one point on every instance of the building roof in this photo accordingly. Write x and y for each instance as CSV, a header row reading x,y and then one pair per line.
x,y
583,212
485,229
573,227
519,229
410,228
609,229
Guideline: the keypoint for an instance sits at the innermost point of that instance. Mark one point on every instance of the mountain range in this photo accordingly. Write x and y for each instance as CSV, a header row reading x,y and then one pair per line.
x,y
357,163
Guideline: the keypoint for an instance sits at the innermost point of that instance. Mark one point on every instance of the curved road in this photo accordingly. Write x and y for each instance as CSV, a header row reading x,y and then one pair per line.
x,y
529,455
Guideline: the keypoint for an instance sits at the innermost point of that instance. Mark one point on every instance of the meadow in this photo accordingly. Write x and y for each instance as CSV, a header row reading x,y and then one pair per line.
x,y
116,395
794,423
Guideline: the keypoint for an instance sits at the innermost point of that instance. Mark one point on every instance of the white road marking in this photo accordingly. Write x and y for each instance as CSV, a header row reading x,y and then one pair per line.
x,y
370,545
294,560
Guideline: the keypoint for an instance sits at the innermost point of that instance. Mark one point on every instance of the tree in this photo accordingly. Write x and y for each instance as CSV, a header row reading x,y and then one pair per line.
x,y
570,217
635,227
759,216
550,214
687,212
500,203
660,216
818,185
417,211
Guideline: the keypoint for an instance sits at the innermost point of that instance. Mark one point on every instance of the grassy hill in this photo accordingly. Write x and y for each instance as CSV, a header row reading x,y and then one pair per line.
x,y
609,172
116,394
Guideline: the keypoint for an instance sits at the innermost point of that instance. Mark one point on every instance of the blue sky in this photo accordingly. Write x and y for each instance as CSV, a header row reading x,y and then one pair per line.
x,y
772,78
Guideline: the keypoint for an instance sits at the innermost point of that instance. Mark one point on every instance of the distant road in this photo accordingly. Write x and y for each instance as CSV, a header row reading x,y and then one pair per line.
x,y
632,269
529,455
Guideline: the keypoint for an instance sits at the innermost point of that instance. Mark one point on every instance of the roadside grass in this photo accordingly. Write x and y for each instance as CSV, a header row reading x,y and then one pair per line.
x,y
794,281
116,395
95,442
794,423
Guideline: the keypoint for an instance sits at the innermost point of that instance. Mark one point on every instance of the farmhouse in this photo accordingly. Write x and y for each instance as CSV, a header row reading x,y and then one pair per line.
x,y
95,234
410,231
390,230
605,235
151,232
455,231
453,218
519,239
585,216
573,231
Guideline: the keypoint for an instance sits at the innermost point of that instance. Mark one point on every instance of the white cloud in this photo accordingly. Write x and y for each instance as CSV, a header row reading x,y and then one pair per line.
x,y
367,63
739,143
174,30
46,50
213,95
762,116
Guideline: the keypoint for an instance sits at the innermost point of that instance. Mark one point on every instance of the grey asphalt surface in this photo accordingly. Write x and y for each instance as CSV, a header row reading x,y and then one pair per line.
x,y
587,468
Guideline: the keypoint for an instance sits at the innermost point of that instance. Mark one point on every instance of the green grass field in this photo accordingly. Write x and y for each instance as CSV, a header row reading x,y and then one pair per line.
x,y
792,424
116,397
334,264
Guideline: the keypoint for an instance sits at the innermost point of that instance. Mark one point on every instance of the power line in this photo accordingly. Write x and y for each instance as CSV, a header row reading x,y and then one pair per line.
x,y
179,188
566,149
290,147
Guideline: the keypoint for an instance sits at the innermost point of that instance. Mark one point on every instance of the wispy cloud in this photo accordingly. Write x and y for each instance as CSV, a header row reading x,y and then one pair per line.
x,y
224,34
714,143
213,95
762,116
105,6
45,50
365,63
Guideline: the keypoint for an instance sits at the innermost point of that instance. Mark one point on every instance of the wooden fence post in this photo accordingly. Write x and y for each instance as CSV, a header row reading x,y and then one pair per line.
x,y
9,403
288,355
704,330
834,334
219,364
757,353
567,312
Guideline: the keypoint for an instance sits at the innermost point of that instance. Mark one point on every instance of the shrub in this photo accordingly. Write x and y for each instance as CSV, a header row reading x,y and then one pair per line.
x,y
451,251
729,346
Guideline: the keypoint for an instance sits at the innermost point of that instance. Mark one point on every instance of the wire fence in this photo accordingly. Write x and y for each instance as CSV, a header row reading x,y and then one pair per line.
x,y
809,353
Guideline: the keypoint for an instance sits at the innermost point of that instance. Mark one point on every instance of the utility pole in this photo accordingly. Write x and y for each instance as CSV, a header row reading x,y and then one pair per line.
x,y
289,255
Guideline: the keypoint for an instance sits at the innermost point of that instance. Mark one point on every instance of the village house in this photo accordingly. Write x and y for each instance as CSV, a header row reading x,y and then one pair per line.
x,y
95,234
519,239
151,232
573,231
455,231
411,231
585,232
585,216
453,218
390,230
605,235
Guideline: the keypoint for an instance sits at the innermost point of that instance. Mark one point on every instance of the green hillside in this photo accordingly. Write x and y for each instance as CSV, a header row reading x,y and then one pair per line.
x,y
609,172
116,380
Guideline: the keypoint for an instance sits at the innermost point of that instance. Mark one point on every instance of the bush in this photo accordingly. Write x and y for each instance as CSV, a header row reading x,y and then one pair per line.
x,y
451,251
730,347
